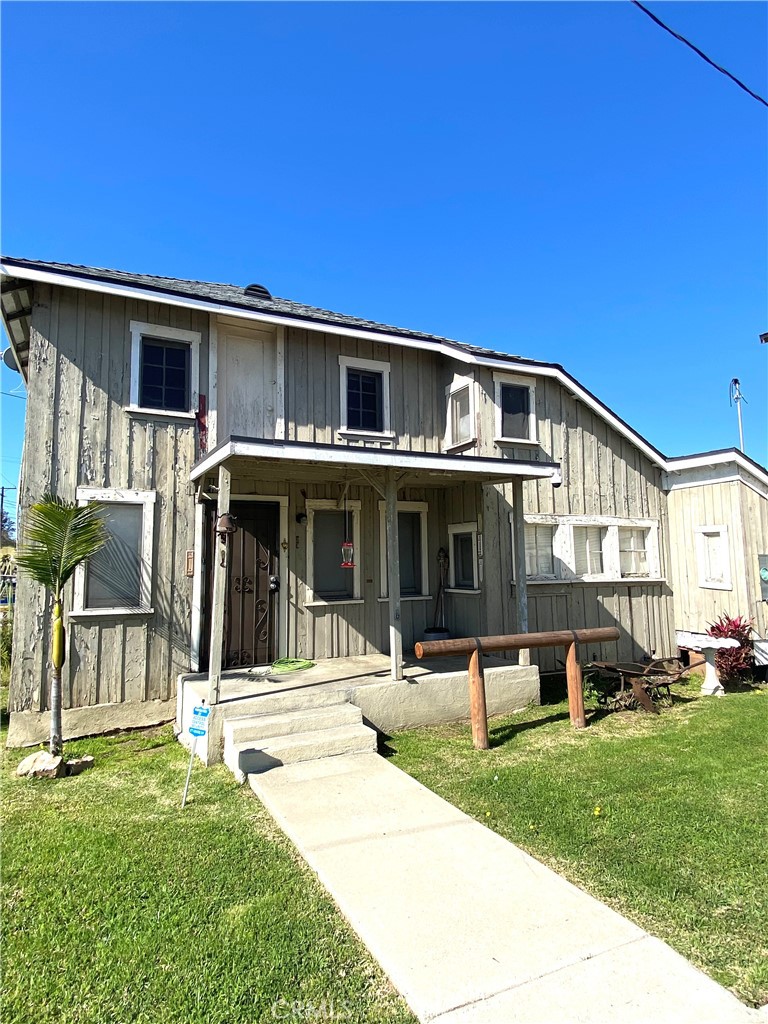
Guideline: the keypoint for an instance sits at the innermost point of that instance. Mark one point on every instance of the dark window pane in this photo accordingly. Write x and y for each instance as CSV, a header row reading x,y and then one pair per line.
x,y
364,400
409,529
113,575
329,580
164,375
463,561
515,411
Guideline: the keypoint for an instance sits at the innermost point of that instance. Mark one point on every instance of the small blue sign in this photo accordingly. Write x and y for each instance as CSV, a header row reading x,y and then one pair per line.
x,y
199,726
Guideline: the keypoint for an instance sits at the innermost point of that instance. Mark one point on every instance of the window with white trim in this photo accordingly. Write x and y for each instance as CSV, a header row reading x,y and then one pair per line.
x,y
165,369
539,552
515,401
118,578
364,393
462,566
460,425
713,557
590,548
328,527
412,542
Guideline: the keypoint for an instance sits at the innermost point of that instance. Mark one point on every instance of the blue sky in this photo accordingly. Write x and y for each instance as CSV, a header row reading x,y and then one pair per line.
x,y
563,181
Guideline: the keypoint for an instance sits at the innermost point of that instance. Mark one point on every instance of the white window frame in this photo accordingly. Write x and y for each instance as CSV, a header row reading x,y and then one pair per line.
x,y
331,505
458,384
499,379
117,496
453,530
555,555
564,556
374,366
140,330
706,583
422,507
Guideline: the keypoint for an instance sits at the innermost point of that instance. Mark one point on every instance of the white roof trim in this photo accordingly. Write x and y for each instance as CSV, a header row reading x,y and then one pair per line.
x,y
708,459
506,469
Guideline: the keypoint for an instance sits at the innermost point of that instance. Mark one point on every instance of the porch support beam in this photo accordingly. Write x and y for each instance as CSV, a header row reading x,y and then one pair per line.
x,y
220,564
393,572
521,583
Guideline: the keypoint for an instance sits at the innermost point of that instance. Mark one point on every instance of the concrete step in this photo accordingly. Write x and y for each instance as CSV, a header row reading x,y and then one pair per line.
x,y
261,727
277,703
246,757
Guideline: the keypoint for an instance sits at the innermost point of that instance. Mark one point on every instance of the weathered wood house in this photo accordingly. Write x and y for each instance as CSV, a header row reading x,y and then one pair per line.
x,y
176,402
718,523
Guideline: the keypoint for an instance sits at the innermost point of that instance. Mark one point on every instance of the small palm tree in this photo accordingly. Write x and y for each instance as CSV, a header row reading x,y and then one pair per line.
x,y
59,536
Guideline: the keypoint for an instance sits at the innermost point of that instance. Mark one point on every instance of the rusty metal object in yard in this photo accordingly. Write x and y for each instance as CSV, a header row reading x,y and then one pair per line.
x,y
475,647
637,685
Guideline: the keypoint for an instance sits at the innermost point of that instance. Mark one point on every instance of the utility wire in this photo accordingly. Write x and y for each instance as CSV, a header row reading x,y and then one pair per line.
x,y
695,49
12,394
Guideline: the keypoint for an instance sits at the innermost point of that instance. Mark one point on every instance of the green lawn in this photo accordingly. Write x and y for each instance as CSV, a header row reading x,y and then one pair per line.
x,y
118,906
664,818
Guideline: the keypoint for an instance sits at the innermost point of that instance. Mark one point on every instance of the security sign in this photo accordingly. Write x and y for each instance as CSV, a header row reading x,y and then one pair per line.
x,y
199,726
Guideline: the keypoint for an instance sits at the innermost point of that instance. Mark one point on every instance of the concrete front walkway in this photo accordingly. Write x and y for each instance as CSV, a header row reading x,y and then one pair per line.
x,y
467,926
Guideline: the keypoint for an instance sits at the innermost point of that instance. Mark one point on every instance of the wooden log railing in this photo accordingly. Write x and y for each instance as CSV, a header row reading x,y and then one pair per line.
x,y
475,647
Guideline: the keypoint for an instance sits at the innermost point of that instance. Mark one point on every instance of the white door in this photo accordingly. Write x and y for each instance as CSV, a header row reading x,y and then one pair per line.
x,y
247,382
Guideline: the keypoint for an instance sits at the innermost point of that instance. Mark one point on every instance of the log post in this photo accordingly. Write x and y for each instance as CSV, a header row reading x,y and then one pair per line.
x,y
477,707
575,687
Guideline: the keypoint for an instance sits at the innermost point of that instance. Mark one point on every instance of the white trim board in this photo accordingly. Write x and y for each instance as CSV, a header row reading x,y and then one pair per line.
x,y
497,470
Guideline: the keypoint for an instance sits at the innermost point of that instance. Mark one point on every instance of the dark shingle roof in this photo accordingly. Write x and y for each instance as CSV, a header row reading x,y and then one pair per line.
x,y
235,296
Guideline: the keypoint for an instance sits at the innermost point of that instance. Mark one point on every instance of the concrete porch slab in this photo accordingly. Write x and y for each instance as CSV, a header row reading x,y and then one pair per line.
x,y
467,926
431,692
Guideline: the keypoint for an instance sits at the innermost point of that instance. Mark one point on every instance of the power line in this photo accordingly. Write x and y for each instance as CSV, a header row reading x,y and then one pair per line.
x,y
13,395
695,49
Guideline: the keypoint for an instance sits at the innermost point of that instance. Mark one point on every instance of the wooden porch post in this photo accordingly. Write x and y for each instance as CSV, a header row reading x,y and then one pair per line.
x,y
220,555
521,583
393,572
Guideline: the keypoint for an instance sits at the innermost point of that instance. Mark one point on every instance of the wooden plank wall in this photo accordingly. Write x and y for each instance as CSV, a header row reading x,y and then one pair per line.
x,y
313,410
603,474
79,386
745,513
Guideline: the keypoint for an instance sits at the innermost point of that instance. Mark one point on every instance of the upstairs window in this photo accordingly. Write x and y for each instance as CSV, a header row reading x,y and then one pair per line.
x,y
164,375
364,400
165,370
515,399
364,395
460,420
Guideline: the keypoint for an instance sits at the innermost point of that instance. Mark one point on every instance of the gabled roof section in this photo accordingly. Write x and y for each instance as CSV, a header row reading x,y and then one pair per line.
x,y
704,466
260,306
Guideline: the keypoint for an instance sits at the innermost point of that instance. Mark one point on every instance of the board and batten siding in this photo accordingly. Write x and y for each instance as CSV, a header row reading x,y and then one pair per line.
x,y
78,433
735,504
313,389
603,474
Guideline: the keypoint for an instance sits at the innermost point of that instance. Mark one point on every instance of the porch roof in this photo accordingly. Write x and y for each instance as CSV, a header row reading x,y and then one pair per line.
x,y
299,459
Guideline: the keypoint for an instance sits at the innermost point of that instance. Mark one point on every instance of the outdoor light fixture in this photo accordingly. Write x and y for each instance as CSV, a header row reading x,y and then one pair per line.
x,y
225,527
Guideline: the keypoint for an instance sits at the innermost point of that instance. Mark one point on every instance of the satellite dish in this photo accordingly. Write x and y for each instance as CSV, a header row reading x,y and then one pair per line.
x,y
10,360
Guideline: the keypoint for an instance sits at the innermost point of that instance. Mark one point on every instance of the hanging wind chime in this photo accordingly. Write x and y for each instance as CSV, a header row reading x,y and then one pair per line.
x,y
347,547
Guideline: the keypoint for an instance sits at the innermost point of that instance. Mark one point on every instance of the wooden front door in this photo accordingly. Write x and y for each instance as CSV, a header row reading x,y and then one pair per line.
x,y
253,598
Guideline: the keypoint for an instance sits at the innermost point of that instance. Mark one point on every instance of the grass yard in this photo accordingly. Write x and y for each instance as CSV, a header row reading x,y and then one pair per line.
x,y
664,818
118,906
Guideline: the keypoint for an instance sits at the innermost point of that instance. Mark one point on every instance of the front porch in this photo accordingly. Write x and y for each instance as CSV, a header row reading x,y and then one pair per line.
x,y
429,693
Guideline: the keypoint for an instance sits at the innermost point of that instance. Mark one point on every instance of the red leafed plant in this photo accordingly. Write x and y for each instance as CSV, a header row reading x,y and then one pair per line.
x,y
731,662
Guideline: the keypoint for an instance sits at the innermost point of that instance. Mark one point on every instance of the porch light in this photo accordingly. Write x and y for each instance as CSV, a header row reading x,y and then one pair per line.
x,y
347,555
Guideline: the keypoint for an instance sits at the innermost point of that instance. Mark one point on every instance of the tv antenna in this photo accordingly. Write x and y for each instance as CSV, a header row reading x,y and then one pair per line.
x,y
736,396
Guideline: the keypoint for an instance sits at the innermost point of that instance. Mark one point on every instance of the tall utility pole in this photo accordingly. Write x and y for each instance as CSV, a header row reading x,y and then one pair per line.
x,y
738,398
